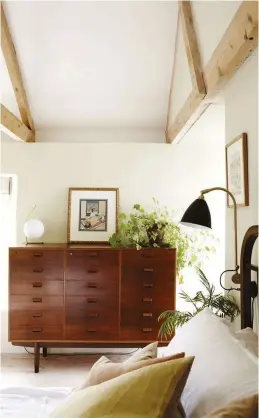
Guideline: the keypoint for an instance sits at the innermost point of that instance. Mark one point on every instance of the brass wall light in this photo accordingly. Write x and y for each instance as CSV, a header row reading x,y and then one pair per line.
x,y
198,216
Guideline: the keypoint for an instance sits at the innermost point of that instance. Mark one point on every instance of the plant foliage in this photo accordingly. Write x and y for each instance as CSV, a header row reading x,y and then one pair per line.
x,y
135,230
222,305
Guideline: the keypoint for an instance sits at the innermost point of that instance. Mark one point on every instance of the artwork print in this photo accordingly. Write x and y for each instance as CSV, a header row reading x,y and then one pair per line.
x,y
237,170
92,215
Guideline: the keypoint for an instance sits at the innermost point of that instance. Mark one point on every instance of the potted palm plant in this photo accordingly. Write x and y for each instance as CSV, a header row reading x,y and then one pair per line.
x,y
222,305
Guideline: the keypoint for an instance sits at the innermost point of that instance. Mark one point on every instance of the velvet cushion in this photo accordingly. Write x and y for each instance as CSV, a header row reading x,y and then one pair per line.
x,y
143,393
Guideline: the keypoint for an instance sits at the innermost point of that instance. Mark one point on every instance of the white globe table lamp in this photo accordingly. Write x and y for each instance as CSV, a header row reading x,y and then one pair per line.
x,y
33,230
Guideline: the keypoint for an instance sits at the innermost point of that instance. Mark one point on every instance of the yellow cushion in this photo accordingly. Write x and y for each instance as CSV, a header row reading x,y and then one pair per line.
x,y
145,392
240,408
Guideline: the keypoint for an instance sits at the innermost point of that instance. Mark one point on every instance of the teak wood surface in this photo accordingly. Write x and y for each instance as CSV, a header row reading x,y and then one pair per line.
x,y
88,295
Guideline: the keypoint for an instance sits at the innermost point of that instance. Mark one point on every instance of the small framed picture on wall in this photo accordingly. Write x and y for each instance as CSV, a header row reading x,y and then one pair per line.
x,y
237,170
92,214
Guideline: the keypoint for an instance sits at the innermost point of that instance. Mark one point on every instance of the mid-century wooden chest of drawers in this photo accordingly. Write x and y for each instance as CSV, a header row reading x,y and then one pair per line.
x,y
79,296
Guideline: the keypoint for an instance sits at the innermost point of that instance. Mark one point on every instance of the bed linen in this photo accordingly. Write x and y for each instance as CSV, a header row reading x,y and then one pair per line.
x,y
224,370
29,402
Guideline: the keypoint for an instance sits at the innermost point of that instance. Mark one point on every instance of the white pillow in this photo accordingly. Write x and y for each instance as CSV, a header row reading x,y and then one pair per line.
x,y
222,370
249,338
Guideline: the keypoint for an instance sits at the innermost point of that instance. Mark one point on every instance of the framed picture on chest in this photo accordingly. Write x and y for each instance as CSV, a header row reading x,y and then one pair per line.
x,y
92,214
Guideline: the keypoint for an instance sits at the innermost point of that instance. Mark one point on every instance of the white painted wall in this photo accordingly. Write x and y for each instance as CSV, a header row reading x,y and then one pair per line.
x,y
182,83
241,101
174,174
8,204
101,135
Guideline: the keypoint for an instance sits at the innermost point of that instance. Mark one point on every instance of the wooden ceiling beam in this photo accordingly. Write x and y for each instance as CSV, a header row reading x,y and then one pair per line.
x,y
236,45
14,72
13,127
191,46
194,61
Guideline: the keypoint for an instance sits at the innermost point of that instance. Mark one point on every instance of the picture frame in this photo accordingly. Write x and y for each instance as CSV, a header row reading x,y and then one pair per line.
x,y
92,214
237,170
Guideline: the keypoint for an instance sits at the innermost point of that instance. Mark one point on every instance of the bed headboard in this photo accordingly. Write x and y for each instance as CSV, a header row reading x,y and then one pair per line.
x,y
249,287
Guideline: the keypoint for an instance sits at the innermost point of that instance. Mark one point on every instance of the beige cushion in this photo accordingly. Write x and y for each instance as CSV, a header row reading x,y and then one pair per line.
x,y
150,351
241,408
145,392
104,369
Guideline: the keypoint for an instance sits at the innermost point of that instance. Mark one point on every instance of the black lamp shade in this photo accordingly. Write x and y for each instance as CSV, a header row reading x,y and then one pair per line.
x,y
197,215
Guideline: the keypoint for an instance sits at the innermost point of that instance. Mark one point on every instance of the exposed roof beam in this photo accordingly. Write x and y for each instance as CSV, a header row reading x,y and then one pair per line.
x,y
13,127
14,72
187,116
237,43
191,46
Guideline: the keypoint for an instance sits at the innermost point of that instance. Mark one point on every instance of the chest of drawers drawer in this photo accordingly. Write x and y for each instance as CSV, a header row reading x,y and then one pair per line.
x,y
95,301
36,287
137,267
36,333
26,264
138,291
139,333
94,286
32,303
92,332
82,264
36,318
140,317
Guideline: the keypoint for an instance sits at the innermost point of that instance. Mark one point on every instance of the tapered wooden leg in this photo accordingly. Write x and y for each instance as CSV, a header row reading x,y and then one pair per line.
x,y
44,351
36,357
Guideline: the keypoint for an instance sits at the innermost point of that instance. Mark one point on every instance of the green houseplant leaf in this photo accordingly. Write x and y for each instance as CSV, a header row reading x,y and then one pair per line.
x,y
142,229
223,306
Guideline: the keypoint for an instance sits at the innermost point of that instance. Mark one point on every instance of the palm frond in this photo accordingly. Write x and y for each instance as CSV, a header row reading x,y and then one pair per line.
x,y
205,282
221,305
171,321
183,295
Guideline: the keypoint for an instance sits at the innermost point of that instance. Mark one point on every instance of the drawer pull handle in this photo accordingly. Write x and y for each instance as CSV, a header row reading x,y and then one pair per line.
x,y
92,300
37,300
148,270
92,285
92,315
147,315
147,300
37,330
147,329
38,315
92,271
92,254
91,331
37,270
148,285
37,254
37,285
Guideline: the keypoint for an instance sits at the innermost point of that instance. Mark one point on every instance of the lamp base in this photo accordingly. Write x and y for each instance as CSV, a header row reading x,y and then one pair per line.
x,y
33,243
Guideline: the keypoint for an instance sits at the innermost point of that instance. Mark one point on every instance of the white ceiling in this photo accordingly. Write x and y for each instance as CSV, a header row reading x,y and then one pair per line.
x,y
93,63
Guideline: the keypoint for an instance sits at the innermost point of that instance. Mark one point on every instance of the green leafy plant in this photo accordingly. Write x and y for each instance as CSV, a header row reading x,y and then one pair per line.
x,y
141,229
222,305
